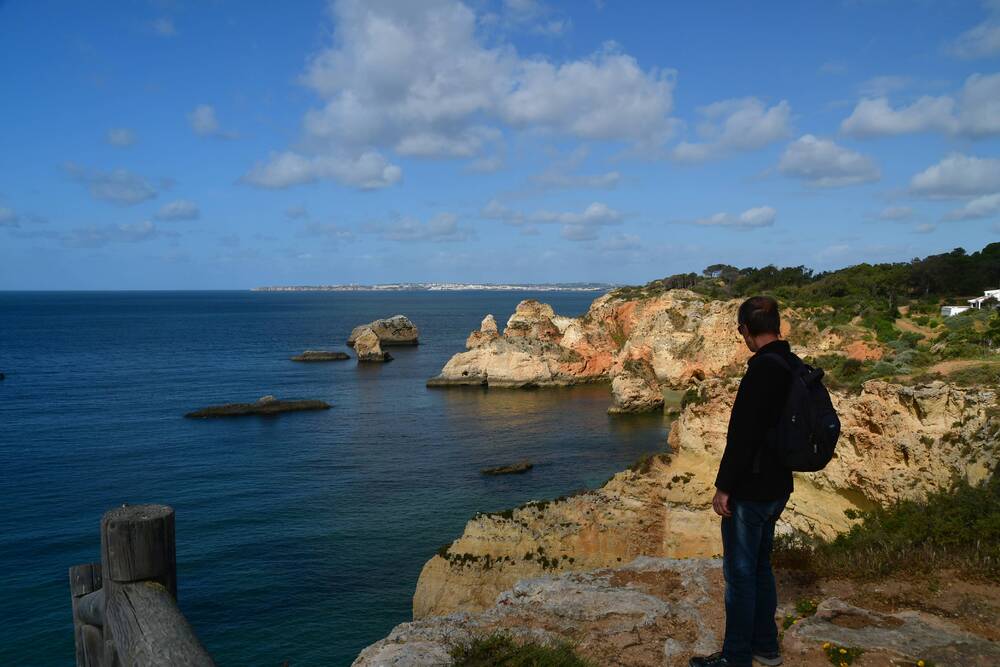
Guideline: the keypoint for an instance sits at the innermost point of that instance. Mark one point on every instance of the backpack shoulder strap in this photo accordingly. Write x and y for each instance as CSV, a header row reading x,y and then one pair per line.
x,y
780,360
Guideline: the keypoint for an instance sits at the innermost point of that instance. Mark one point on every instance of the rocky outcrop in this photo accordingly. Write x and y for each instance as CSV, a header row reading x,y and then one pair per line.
x,y
683,336
907,636
658,612
321,355
367,347
511,469
897,442
395,330
636,389
487,333
265,405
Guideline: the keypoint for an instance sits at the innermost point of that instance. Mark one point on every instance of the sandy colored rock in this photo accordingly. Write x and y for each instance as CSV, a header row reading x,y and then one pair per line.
x,y
395,330
636,389
656,612
368,349
321,355
898,442
487,333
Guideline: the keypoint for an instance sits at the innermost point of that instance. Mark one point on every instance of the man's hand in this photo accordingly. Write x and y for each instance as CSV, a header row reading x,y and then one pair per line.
x,y
720,503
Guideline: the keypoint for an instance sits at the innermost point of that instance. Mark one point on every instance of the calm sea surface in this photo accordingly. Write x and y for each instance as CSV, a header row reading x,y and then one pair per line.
x,y
299,537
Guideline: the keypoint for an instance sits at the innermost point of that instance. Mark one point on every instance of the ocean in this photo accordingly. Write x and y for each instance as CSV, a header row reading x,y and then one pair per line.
x,y
299,537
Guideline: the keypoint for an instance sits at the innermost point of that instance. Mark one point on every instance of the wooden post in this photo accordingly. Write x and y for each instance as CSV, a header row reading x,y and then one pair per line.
x,y
137,544
85,580
150,631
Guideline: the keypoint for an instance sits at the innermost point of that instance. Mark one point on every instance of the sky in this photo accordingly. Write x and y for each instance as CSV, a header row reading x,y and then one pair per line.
x,y
228,144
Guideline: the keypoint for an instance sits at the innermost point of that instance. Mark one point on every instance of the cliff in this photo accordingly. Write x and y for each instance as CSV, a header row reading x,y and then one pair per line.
x,y
897,442
683,336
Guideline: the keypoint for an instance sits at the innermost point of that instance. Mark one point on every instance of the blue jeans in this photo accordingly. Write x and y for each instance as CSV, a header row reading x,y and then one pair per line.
x,y
751,598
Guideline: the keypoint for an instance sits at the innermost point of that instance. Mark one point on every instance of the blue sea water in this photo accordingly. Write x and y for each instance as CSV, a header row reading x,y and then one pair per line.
x,y
299,537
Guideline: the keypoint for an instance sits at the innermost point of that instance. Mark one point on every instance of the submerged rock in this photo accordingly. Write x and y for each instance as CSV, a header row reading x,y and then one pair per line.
x,y
367,347
636,389
265,405
395,330
512,469
321,355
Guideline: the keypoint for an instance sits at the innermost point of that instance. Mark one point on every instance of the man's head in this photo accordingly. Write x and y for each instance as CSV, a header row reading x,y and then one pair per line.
x,y
758,321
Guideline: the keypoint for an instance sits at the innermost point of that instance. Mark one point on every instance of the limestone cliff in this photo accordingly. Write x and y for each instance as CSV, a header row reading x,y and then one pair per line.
x,y
897,442
682,335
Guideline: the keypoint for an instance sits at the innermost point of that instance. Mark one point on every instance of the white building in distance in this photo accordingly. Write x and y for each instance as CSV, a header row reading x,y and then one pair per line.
x,y
948,311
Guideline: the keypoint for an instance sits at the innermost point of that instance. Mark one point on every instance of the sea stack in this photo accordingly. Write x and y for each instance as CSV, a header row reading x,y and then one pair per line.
x,y
368,349
636,389
395,330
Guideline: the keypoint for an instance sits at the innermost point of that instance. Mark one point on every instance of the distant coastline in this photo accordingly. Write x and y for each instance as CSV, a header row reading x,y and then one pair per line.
x,y
442,287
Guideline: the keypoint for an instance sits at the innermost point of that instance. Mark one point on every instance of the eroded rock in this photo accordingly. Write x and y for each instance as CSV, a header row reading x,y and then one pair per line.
x,y
395,330
636,389
368,349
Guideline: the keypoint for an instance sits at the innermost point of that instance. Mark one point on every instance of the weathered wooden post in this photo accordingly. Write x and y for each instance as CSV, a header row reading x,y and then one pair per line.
x,y
125,610
88,636
139,565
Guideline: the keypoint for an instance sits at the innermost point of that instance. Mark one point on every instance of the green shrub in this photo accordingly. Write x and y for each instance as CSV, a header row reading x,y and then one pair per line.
x,y
502,650
958,528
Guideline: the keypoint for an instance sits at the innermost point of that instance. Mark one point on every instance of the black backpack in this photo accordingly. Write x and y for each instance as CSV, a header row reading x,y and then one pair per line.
x,y
806,433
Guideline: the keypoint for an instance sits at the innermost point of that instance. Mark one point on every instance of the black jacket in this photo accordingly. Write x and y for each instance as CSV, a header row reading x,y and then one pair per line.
x,y
758,405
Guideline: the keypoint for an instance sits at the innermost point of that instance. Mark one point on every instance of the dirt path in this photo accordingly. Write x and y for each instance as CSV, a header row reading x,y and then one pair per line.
x,y
910,327
947,367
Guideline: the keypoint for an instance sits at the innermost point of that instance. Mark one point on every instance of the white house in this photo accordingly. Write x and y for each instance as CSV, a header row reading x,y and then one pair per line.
x,y
948,311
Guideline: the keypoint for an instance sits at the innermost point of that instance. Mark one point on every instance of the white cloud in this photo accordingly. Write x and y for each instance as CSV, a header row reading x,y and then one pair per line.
x,y
443,227
986,206
328,230
973,111
736,125
562,174
982,40
8,218
924,228
121,137
96,236
896,213
417,79
879,86
296,212
181,209
958,175
760,216
120,186
205,124
367,171
822,163
576,226
164,26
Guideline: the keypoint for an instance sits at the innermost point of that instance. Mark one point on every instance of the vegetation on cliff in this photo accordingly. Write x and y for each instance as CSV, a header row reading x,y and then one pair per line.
x,y
954,529
503,650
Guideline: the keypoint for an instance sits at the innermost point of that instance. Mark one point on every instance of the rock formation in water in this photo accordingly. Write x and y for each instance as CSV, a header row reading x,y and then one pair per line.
x,y
655,612
265,405
683,336
368,348
321,355
512,469
395,330
897,442
635,388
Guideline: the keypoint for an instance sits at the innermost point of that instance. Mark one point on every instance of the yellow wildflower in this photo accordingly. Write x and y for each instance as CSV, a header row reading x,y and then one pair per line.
x,y
920,663
843,650
826,645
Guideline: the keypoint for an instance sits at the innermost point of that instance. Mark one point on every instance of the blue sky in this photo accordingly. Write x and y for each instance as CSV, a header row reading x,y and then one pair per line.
x,y
216,145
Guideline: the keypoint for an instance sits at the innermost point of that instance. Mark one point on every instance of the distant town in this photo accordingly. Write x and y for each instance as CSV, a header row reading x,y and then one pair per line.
x,y
442,287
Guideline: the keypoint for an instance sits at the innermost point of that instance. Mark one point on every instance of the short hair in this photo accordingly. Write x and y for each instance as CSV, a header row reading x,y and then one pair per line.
x,y
760,315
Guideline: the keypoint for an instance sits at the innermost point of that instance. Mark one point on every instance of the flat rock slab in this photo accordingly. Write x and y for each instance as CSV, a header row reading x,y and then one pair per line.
x,y
395,330
512,469
265,408
321,355
912,635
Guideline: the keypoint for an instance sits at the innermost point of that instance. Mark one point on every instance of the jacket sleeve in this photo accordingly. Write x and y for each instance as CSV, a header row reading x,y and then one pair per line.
x,y
753,414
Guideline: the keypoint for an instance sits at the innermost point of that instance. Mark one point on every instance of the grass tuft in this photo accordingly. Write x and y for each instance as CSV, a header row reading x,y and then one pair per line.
x,y
502,650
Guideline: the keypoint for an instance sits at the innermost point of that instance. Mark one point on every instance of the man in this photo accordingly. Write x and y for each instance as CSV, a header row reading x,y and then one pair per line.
x,y
751,491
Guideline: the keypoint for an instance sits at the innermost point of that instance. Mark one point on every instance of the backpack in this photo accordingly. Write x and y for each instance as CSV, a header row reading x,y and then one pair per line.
x,y
806,433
